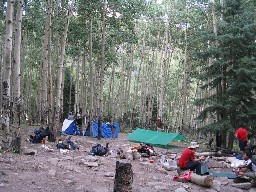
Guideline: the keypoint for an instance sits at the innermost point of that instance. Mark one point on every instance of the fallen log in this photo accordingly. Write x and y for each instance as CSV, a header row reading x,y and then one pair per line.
x,y
246,185
208,153
202,180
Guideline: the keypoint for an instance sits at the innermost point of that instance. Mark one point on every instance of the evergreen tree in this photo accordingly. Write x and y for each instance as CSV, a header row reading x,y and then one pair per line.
x,y
232,73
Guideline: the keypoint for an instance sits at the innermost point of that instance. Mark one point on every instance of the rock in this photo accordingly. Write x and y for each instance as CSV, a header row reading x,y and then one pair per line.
x,y
161,187
69,167
180,190
1,185
169,168
109,174
54,161
69,182
230,188
68,158
216,185
223,180
52,172
101,189
145,189
91,158
210,190
162,170
89,164
252,190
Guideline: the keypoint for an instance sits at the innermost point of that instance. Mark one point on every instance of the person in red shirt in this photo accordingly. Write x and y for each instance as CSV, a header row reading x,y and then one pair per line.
x,y
242,136
188,160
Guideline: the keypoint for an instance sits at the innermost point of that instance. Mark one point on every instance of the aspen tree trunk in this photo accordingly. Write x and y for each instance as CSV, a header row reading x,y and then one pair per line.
x,y
28,93
137,81
16,75
145,93
163,75
70,89
91,113
111,89
45,69
102,71
129,76
62,88
120,95
150,90
6,110
1,69
185,89
84,85
77,100
60,70
50,84
24,110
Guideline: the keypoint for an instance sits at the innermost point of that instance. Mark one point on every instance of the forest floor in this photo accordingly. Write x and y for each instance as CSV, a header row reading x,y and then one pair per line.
x,y
77,171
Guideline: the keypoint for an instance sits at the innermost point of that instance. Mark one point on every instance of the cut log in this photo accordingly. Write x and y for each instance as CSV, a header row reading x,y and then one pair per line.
x,y
123,177
202,180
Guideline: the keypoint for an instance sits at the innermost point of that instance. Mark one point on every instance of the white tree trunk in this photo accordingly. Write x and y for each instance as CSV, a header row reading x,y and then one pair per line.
x,y
16,77
91,80
6,78
60,70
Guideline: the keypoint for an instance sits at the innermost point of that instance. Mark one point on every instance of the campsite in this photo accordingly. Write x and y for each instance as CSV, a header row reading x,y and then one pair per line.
x,y
128,95
55,171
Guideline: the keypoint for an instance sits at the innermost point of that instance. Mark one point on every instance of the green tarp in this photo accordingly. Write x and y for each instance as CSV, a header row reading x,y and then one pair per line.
x,y
154,137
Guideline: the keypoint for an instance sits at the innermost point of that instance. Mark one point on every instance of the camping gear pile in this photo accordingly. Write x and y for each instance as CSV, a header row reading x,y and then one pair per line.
x,y
67,143
99,150
146,150
42,135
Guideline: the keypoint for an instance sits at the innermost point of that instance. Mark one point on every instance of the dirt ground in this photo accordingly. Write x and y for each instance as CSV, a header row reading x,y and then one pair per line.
x,y
77,171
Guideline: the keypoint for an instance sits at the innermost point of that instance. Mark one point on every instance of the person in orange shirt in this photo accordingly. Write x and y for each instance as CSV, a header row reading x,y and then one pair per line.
x,y
242,136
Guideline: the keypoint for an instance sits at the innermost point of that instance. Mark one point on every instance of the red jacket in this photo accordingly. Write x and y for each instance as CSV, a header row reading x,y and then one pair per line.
x,y
187,155
241,134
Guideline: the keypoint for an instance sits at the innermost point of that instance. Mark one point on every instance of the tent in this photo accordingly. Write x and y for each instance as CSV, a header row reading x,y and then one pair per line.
x,y
69,127
154,137
106,130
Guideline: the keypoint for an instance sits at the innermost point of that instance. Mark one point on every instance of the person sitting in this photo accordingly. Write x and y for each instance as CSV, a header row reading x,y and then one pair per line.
x,y
67,143
187,161
248,170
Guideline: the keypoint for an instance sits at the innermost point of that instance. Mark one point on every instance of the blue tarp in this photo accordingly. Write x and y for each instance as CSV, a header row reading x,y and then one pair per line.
x,y
106,130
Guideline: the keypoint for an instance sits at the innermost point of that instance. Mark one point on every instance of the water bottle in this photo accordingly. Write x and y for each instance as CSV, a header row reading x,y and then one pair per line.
x,y
175,164
162,160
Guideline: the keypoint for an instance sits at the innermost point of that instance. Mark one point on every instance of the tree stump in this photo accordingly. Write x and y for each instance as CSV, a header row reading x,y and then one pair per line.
x,y
204,180
123,177
16,144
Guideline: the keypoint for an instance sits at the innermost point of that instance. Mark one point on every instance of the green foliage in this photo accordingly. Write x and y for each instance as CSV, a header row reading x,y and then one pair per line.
x,y
233,71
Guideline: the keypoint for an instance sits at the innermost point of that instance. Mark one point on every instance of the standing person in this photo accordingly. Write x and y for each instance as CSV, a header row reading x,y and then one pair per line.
x,y
70,116
79,123
113,129
242,136
188,160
